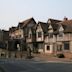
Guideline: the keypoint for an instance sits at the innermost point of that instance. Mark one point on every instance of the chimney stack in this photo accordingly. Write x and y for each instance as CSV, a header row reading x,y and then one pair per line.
x,y
65,18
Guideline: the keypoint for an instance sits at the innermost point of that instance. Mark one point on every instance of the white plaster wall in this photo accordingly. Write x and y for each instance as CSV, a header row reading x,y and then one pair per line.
x,y
39,29
71,46
48,51
46,39
50,40
40,50
40,38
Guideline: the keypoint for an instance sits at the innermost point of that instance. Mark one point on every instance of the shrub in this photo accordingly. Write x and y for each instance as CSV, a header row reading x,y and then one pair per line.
x,y
60,55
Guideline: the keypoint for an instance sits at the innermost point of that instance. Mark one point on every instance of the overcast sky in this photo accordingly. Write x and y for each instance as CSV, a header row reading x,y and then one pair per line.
x,y
14,11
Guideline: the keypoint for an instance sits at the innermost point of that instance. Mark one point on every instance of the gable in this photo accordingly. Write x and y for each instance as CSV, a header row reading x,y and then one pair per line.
x,y
50,29
27,23
49,21
61,28
31,24
39,28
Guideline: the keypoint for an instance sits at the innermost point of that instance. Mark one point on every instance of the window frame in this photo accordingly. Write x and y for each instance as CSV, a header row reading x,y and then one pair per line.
x,y
39,34
66,46
48,48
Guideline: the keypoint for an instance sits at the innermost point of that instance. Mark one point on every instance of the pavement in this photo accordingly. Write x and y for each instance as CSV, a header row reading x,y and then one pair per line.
x,y
44,58
50,58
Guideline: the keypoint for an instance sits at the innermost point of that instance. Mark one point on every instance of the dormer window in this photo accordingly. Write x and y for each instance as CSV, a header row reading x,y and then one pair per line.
x,y
39,34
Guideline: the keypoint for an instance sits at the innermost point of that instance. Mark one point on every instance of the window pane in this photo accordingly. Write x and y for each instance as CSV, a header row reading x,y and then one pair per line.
x,y
66,45
48,47
39,34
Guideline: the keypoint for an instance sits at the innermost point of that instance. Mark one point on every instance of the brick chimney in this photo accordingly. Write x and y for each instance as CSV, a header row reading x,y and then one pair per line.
x,y
65,18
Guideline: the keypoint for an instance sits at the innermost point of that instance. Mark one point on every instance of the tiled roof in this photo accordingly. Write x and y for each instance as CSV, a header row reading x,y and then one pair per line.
x,y
66,22
25,22
67,25
12,29
55,27
53,21
44,26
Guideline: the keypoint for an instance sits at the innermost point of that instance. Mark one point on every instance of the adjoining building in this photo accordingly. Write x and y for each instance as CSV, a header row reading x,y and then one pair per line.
x,y
19,35
51,37
4,37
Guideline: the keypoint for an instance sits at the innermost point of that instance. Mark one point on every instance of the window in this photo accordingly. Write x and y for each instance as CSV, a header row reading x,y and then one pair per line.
x,y
61,34
50,35
48,47
39,34
66,45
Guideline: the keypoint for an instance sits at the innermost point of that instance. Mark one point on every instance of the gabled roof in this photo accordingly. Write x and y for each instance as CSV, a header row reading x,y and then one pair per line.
x,y
67,28
12,29
66,22
54,24
44,26
67,25
25,22
53,21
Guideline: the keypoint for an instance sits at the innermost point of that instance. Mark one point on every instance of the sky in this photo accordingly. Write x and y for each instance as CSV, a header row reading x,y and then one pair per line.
x,y
14,11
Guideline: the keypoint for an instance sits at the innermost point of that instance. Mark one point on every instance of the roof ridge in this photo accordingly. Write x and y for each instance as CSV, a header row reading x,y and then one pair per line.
x,y
41,22
26,19
54,19
67,22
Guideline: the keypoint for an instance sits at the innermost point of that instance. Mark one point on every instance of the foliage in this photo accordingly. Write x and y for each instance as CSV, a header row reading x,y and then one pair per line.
x,y
60,55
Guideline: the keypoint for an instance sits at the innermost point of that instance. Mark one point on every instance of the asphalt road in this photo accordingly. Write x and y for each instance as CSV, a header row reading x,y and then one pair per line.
x,y
34,66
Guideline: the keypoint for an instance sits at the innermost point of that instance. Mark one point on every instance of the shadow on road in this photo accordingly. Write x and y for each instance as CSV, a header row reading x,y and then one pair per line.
x,y
29,57
1,69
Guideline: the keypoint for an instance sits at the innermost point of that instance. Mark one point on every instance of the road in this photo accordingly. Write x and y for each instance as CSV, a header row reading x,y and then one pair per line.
x,y
33,66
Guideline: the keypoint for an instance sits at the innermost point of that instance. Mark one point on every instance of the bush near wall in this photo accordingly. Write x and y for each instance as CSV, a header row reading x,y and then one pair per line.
x,y
60,55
